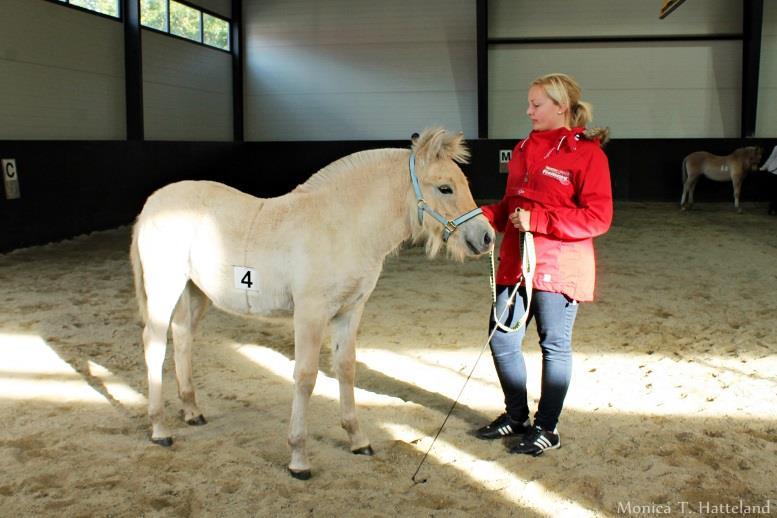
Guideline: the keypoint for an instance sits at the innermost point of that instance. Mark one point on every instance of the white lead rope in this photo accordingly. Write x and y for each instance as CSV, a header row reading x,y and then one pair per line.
x,y
528,263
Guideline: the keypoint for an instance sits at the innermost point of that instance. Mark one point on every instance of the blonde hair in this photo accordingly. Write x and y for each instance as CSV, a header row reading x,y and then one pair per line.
x,y
564,90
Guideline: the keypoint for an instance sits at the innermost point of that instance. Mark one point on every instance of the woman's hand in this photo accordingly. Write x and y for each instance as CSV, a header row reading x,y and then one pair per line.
x,y
521,219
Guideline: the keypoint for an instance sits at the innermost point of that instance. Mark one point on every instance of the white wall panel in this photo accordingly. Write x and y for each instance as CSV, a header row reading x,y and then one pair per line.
x,y
61,73
766,121
553,18
187,90
640,89
348,69
689,89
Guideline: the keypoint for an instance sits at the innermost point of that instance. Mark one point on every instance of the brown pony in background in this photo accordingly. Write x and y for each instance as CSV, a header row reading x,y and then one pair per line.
x,y
732,167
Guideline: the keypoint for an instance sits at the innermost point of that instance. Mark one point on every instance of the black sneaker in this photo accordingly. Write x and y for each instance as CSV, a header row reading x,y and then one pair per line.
x,y
537,441
503,426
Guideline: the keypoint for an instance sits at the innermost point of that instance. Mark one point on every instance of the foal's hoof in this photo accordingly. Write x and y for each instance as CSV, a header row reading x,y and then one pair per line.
x,y
300,475
163,441
197,421
367,450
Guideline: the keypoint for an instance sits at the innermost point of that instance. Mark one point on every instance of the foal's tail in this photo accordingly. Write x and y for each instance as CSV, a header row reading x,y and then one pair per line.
x,y
137,273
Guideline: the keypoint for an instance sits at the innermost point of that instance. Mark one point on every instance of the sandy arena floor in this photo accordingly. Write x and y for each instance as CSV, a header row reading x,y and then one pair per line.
x,y
673,403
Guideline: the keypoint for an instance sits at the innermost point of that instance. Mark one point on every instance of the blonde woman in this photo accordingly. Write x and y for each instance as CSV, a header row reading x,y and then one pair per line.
x,y
558,188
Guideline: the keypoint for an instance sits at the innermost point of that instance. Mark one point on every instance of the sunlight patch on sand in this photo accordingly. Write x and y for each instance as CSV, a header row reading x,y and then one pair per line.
x,y
30,369
698,387
487,474
118,390
443,373
657,386
326,386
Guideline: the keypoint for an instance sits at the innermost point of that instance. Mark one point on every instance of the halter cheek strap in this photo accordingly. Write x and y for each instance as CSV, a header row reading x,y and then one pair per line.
x,y
450,224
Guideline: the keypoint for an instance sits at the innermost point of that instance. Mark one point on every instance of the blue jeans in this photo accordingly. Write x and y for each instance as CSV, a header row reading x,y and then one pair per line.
x,y
555,315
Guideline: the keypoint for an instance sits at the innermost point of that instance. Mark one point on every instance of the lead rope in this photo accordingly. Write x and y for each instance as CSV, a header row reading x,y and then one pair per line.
x,y
528,262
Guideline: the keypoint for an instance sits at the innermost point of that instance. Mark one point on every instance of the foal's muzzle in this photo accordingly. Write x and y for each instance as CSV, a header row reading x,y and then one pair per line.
x,y
479,241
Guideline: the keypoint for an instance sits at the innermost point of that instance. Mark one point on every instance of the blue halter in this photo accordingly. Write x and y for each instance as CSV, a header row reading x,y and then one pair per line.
x,y
450,225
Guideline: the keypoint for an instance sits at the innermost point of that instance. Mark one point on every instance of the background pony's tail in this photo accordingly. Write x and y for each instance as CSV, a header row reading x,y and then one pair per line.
x,y
684,175
137,273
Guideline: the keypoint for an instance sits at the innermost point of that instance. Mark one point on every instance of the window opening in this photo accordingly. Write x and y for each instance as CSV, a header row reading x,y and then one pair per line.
x,y
107,7
186,21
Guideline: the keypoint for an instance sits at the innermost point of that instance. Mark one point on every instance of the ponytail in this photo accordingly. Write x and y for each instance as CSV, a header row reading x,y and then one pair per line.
x,y
581,114
602,135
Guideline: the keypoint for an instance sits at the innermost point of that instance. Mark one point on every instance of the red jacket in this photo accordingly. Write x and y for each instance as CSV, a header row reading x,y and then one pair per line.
x,y
564,180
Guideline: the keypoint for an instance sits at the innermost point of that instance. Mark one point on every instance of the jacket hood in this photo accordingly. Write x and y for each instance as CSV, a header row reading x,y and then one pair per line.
x,y
569,137
556,138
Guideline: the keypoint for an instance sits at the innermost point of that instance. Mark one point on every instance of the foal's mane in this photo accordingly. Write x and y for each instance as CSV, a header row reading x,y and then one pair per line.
x,y
340,167
433,144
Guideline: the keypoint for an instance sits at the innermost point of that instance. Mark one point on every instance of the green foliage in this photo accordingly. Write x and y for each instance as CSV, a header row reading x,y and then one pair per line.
x,y
109,7
153,13
216,31
184,21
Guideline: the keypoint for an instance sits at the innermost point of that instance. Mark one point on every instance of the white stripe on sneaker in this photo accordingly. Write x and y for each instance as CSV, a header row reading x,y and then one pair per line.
x,y
542,442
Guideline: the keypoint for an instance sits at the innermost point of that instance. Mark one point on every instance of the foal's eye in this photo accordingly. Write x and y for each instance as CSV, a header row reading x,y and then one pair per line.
x,y
445,189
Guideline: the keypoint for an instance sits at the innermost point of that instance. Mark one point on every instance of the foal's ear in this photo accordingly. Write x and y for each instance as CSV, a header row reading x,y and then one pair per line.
x,y
428,145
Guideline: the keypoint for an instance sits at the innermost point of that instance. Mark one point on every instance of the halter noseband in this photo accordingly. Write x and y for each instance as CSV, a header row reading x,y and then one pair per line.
x,y
450,224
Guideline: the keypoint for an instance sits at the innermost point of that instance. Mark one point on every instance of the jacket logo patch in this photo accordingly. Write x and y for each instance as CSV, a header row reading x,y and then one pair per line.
x,y
557,174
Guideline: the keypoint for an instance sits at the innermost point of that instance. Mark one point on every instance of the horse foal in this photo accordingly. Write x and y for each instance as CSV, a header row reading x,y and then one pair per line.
x,y
317,251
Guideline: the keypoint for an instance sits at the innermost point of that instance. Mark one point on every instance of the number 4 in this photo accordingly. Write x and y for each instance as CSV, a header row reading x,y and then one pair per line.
x,y
247,279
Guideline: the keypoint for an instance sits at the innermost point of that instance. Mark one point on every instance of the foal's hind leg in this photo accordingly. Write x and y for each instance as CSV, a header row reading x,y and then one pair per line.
x,y
190,309
344,329
162,297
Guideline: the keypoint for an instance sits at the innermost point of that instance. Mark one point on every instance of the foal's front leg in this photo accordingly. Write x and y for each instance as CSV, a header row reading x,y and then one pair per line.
x,y
344,329
308,332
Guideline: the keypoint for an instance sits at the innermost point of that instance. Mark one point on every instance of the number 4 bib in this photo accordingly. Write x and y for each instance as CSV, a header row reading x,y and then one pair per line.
x,y
245,278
